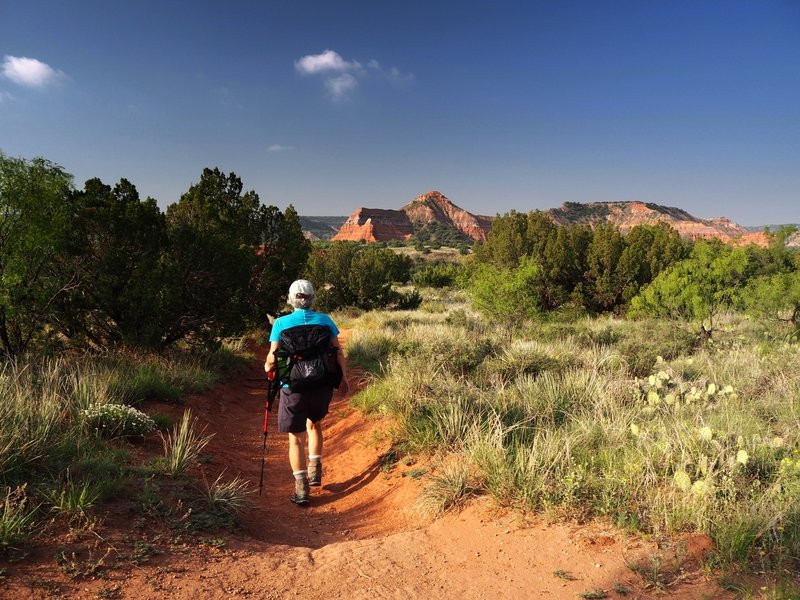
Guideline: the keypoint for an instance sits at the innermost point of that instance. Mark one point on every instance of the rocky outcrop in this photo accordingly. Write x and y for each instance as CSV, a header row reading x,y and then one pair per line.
x,y
627,215
375,224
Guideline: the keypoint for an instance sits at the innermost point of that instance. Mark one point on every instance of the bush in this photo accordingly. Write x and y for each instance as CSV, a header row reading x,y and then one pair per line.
x,y
118,420
437,275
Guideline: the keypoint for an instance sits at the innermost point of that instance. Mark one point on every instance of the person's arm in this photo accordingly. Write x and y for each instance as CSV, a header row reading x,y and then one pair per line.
x,y
344,386
269,365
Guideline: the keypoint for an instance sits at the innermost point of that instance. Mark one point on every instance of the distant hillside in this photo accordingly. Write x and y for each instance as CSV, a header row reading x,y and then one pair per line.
x,y
321,228
428,214
627,215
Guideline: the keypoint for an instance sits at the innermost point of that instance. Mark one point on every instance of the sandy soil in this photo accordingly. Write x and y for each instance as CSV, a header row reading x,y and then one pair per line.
x,y
361,537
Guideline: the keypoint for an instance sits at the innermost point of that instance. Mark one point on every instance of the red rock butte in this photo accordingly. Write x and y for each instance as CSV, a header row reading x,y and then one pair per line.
x,y
378,224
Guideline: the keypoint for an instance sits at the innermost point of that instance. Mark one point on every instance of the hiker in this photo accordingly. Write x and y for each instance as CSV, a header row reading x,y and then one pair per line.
x,y
300,413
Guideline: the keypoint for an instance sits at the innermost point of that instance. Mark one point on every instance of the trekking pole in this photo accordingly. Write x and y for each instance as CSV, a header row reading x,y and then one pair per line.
x,y
270,384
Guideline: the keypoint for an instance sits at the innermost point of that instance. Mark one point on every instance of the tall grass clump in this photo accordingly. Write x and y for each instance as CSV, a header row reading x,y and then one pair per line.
x,y
36,412
182,447
16,518
230,496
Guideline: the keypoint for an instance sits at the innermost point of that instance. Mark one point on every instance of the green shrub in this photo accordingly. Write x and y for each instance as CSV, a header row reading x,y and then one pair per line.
x,y
436,275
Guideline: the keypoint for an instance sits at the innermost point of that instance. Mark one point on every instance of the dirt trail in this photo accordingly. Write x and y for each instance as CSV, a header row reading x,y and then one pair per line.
x,y
361,536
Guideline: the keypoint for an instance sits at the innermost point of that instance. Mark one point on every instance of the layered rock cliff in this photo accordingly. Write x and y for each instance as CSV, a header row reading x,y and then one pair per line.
x,y
375,224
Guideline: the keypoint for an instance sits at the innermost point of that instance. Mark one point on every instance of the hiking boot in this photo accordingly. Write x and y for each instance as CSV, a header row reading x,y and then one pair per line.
x,y
315,474
301,491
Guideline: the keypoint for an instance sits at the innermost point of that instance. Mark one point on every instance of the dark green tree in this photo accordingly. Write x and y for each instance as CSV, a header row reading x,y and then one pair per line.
x,y
606,277
117,251
281,256
231,259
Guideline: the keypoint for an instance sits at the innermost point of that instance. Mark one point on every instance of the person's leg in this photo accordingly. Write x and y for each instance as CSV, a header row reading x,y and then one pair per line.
x,y
297,451
314,431
297,459
314,452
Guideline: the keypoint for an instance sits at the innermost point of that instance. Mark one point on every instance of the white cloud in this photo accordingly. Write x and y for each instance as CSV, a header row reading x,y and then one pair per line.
x,y
341,77
279,148
329,60
29,71
341,85
5,96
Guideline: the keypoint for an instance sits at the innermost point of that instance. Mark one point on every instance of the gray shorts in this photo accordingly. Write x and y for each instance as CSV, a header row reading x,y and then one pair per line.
x,y
296,407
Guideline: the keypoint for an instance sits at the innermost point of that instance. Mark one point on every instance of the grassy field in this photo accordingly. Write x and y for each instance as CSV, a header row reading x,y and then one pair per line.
x,y
634,421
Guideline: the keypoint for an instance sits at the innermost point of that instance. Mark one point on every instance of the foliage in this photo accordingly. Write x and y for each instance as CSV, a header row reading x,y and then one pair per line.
x,y
36,219
598,269
74,499
435,234
116,252
775,297
641,347
437,275
99,267
351,274
117,420
214,231
698,288
705,441
229,496
507,295
449,487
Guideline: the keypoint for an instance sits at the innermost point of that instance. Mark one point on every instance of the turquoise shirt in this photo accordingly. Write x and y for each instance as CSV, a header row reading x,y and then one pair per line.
x,y
301,316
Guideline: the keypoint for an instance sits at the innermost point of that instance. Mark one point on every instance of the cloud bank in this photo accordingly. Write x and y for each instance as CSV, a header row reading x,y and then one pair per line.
x,y
341,77
29,72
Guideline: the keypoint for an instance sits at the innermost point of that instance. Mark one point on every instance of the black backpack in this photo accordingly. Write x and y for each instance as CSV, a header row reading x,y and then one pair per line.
x,y
306,359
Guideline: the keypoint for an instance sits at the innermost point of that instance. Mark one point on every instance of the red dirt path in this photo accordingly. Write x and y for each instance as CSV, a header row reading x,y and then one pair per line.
x,y
361,537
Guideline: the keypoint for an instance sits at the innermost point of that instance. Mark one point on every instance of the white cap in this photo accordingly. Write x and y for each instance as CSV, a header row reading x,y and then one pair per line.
x,y
301,287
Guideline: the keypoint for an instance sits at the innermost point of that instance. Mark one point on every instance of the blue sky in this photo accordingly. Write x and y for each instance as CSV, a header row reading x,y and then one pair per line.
x,y
335,105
